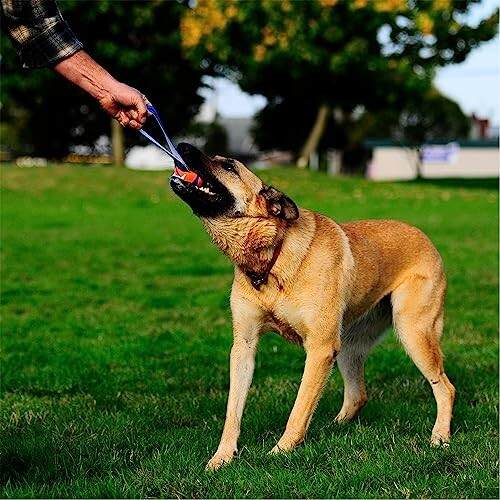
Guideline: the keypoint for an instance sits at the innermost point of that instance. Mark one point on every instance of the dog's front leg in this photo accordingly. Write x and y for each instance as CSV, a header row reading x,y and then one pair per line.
x,y
320,356
247,325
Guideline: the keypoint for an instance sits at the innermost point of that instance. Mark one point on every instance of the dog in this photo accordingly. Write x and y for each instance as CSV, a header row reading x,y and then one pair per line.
x,y
332,288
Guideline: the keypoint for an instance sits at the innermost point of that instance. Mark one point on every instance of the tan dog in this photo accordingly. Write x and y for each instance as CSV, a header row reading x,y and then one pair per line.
x,y
334,288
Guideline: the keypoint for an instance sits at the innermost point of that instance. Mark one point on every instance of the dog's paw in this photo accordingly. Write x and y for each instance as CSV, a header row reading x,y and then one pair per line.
x,y
343,418
287,442
350,410
438,441
282,448
276,450
218,461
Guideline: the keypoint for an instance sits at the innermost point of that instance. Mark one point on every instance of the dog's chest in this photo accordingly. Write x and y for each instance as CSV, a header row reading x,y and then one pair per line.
x,y
286,330
282,314
287,321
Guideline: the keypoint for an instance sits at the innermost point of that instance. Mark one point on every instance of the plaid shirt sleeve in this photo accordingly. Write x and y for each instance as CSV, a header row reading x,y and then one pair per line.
x,y
38,31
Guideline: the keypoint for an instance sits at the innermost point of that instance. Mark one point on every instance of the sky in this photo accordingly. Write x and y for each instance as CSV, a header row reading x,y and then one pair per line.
x,y
474,84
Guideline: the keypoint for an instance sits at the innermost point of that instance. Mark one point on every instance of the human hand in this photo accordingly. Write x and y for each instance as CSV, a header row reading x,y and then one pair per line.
x,y
125,104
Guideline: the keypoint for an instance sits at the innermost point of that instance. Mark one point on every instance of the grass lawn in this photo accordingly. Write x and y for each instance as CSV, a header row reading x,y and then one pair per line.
x,y
116,333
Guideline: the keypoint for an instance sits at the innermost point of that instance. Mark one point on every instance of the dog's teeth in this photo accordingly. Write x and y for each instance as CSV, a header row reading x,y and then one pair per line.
x,y
205,189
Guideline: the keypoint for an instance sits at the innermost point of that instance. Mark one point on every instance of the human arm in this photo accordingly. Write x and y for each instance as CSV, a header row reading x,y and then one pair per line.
x,y
42,38
126,104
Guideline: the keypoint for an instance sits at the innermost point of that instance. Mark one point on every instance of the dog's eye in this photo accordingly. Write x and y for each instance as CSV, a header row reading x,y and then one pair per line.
x,y
229,166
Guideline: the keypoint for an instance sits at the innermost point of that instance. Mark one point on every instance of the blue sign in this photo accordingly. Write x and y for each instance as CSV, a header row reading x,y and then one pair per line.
x,y
440,153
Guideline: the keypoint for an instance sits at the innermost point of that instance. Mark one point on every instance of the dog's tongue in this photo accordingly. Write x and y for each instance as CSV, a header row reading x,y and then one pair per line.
x,y
187,176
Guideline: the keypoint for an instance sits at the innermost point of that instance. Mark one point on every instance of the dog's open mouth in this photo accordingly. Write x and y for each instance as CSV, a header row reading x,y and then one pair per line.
x,y
191,179
199,187
187,176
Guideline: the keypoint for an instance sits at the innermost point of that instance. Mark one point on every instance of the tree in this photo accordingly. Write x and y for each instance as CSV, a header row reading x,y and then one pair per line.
x,y
331,55
138,42
434,117
422,119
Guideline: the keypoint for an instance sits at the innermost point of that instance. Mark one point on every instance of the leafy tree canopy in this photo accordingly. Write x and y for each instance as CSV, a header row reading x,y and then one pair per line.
x,y
338,53
137,42
434,117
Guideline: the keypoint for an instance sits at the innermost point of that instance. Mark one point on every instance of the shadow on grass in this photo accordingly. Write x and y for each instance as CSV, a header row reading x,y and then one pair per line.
x,y
489,183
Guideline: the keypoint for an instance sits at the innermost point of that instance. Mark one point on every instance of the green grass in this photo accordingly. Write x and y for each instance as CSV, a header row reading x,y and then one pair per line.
x,y
116,332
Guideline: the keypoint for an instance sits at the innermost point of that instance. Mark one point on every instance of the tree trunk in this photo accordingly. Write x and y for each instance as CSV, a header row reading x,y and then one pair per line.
x,y
418,165
117,143
315,135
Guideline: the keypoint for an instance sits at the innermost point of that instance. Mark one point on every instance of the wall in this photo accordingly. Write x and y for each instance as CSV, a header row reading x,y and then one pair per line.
x,y
392,162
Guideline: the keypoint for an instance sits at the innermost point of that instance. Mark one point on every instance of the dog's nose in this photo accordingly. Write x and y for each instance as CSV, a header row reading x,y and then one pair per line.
x,y
192,155
185,148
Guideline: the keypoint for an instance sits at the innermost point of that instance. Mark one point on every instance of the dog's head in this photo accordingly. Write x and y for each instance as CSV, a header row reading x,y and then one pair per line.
x,y
229,189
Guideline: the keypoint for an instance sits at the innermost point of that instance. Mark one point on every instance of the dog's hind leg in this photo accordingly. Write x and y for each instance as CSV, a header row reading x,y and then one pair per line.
x,y
357,340
418,320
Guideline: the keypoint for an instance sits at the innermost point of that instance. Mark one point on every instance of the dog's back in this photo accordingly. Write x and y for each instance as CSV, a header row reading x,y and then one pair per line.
x,y
387,253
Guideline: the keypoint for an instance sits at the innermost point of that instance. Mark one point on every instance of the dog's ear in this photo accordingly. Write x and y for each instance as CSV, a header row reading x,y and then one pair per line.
x,y
278,204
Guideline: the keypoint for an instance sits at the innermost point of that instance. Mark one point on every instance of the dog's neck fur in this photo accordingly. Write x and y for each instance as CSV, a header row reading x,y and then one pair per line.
x,y
250,244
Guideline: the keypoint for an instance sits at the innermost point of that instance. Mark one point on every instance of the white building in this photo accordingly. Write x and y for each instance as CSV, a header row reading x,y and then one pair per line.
x,y
392,161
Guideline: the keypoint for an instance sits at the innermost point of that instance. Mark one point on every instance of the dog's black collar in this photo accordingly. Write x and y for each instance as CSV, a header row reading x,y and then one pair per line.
x,y
259,279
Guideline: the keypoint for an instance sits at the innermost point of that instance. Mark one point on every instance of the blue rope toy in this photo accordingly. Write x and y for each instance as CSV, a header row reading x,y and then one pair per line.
x,y
180,168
